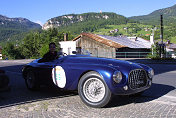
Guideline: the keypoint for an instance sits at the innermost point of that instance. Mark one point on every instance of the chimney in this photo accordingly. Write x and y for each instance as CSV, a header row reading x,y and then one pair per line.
x,y
65,37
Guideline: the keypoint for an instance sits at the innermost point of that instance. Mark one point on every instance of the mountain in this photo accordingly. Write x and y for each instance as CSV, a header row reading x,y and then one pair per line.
x,y
13,28
169,16
85,22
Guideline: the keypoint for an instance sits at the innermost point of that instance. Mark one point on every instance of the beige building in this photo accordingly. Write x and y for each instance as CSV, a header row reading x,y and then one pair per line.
x,y
112,47
96,45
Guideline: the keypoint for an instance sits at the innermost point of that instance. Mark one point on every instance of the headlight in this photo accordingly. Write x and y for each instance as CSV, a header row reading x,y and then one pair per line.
x,y
150,73
117,76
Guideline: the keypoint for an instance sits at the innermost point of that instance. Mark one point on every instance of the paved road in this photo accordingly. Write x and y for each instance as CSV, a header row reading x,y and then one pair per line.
x,y
158,101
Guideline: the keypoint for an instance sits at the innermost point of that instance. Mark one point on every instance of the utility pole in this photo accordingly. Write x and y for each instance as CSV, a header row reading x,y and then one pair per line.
x,y
161,37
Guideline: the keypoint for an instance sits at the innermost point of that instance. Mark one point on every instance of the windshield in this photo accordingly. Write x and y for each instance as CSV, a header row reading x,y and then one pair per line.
x,y
80,52
85,52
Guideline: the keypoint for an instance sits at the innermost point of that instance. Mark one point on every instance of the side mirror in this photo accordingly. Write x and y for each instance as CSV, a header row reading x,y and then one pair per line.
x,y
60,53
74,52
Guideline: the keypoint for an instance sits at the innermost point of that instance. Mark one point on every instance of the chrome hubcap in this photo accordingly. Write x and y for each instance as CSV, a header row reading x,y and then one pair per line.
x,y
94,89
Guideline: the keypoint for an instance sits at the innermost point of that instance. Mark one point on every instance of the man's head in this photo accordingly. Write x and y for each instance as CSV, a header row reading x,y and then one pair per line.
x,y
52,47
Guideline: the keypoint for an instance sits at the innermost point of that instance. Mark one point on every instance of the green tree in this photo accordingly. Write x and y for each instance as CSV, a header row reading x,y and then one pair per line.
x,y
11,52
35,44
31,45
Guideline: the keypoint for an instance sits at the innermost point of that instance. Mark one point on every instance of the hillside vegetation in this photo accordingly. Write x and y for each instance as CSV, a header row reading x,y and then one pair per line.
x,y
169,16
139,30
12,29
87,22
107,23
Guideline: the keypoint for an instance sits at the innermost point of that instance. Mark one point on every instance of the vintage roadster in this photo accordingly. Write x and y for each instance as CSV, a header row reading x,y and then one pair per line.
x,y
96,79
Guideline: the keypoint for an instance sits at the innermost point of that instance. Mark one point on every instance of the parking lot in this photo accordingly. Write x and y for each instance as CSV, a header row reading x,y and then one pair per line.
x,y
158,101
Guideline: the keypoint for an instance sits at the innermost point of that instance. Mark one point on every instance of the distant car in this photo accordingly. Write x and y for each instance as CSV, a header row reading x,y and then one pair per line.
x,y
96,79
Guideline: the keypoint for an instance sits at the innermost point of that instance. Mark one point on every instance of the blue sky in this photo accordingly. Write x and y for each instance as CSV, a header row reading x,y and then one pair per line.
x,y
42,10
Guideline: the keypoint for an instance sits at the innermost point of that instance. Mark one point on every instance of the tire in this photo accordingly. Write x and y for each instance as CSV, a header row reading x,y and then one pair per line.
x,y
93,90
31,81
4,80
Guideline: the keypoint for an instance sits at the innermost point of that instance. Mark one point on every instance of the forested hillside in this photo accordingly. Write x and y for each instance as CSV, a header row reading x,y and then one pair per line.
x,y
87,22
169,16
12,29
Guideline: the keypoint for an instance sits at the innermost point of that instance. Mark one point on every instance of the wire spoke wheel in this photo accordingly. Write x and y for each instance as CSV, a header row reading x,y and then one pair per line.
x,y
94,89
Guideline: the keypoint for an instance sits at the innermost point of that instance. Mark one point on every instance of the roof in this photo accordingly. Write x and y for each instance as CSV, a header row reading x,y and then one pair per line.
x,y
123,40
171,46
168,45
76,38
101,40
118,41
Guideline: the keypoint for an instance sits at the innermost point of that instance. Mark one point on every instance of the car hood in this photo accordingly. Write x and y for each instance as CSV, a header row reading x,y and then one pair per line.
x,y
119,64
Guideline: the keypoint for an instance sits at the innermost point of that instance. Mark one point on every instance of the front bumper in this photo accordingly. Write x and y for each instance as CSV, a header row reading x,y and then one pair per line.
x,y
126,90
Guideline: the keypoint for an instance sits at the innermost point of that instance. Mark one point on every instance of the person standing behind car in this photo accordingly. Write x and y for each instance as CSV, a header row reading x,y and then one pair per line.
x,y
51,55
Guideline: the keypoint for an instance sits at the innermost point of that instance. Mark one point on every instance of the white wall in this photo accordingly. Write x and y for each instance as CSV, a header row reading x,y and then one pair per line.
x,y
152,39
0,56
68,46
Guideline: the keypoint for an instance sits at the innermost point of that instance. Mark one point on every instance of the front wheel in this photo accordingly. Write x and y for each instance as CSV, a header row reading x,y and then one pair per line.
x,y
31,81
93,90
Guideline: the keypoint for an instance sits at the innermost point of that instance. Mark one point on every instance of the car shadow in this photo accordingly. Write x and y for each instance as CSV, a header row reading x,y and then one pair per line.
x,y
17,97
19,94
154,92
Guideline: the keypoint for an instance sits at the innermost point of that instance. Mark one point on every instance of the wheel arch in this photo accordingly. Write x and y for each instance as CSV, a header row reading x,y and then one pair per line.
x,y
98,72
25,70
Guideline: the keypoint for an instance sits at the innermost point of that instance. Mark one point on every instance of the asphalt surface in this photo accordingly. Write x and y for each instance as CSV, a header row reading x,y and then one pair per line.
x,y
158,101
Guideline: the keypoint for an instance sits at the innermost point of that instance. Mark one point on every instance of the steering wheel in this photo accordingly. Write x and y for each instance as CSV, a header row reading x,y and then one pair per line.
x,y
64,54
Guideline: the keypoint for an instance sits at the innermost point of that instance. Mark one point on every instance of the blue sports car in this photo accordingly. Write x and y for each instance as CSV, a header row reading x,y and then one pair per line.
x,y
96,79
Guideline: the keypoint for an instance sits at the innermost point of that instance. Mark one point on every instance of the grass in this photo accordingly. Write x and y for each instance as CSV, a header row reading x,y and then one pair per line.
x,y
141,33
173,40
105,31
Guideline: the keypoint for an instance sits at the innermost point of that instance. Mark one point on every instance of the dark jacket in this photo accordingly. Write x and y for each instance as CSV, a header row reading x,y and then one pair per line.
x,y
49,57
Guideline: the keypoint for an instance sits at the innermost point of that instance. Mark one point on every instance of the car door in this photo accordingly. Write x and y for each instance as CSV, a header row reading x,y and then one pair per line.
x,y
44,72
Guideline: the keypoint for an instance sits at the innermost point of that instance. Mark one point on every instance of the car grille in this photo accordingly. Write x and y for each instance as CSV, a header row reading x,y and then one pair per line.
x,y
137,78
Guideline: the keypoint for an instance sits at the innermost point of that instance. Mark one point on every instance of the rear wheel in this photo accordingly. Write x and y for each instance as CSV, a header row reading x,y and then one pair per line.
x,y
93,90
31,81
